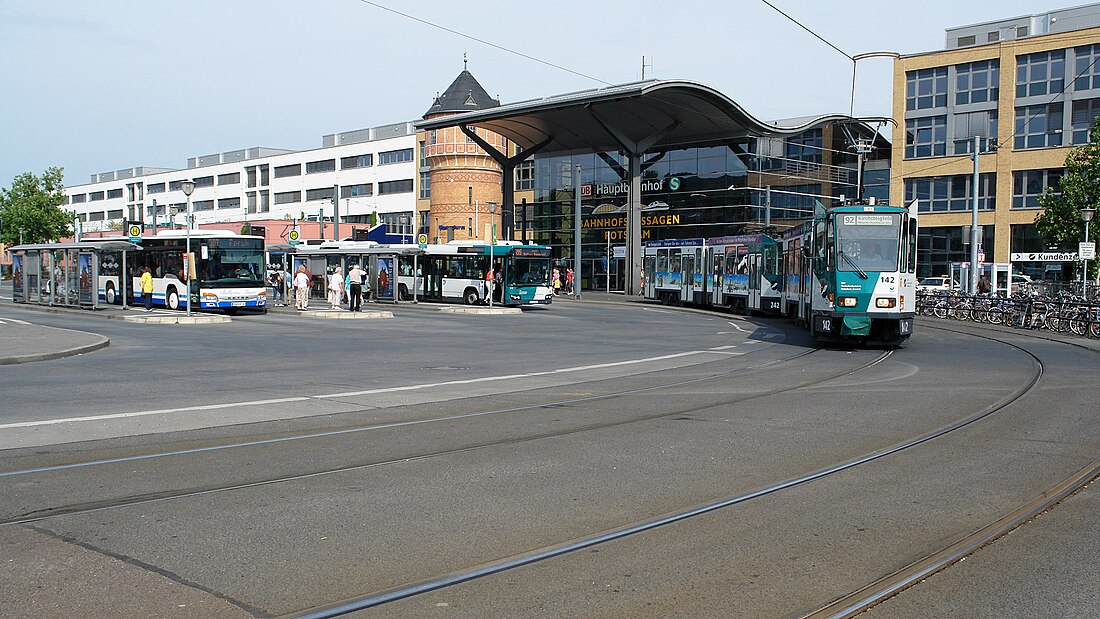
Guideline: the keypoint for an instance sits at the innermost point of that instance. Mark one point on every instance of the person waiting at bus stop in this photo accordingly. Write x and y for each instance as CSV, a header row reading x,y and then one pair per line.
x,y
355,288
147,288
301,287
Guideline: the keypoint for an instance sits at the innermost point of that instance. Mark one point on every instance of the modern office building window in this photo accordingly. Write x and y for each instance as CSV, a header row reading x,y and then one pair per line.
x,y
174,185
95,196
354,191
155,188
926,89
391,187
284,171
116,214
525,175
113,194
982,124
95,216
803,147
229,203
1084,111
324,193
251,174
425,185
130,193
425,221
967,40
288,197
250,201
939,194
82,217
926,137
977,82
233,178
1039,126
397,223
265,175
202,205
204,181
79,198
358,161
1087,64
265,201
395,156
1028,185
1041,73
316,167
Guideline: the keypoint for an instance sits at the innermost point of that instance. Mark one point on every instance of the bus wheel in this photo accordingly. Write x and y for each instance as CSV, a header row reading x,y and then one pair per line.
x,y
403,292
109,294
470,297
172,299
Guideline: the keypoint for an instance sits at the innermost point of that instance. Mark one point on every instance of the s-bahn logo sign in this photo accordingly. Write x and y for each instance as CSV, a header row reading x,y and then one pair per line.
x,y
1048,256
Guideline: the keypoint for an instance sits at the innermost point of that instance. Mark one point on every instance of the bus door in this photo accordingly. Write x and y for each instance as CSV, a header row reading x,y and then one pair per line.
x,y
718,260
754,280
687,283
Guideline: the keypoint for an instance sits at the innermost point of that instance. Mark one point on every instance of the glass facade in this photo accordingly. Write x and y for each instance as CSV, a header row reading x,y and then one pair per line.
x,y
698,191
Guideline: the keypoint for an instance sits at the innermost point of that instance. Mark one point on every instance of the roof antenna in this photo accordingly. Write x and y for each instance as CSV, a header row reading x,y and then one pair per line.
x,y
463,61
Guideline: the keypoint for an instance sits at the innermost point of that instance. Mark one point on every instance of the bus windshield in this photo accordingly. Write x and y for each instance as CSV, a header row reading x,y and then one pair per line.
x,y
529,272
867,241
232,268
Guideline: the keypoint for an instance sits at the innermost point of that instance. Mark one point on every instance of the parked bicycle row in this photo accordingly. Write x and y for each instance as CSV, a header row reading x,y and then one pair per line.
x,y
1066,313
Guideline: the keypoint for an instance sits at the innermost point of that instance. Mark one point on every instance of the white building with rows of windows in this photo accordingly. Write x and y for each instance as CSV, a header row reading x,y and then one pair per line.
x,y
375,170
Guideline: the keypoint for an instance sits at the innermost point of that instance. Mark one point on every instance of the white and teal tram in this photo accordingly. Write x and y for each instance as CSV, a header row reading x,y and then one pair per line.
x,y
740,272
851,273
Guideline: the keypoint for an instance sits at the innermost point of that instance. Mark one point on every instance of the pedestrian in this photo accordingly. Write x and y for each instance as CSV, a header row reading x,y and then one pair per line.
x,y
285,284
277,285
335,287
555,280
355,288
983,284
301,287
147,288
569,280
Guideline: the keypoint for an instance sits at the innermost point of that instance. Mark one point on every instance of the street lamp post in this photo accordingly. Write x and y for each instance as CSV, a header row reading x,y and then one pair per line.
x,y
492,241
1086,215
188,187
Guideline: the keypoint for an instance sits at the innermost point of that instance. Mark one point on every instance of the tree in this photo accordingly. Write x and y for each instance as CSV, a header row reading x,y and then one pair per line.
x,y
1080,188
33,205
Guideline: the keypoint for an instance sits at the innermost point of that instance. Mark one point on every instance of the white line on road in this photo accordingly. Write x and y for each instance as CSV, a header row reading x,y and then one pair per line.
x,y
484,379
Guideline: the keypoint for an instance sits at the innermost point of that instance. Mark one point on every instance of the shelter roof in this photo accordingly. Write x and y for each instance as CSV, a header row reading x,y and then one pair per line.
x,y
688,112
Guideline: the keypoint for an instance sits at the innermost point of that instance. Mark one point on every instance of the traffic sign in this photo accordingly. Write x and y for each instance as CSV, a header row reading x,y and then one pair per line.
x,y
422,240
1045,256
1087,251
294,237
134,230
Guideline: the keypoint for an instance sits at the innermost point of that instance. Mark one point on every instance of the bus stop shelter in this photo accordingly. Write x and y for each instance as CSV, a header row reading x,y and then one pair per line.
x,y
63,274
633,118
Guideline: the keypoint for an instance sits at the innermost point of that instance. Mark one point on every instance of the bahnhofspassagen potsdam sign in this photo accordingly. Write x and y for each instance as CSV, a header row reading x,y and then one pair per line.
x,y
615,225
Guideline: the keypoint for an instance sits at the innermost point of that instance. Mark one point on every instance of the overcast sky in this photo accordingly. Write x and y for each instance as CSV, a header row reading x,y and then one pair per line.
x,y
99,86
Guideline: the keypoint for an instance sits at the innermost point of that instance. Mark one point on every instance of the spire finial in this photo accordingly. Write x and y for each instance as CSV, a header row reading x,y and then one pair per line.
x,y
463,61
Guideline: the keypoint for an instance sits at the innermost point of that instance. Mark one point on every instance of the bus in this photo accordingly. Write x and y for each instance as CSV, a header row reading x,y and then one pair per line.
x,y
459,270
226,270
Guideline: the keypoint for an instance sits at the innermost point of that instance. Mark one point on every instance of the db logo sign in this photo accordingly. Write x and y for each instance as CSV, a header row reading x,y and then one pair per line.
x,y
586,190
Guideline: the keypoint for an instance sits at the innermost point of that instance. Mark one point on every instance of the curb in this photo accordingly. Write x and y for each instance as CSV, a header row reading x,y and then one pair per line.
x,y
487,311
346,315
177,320
60,354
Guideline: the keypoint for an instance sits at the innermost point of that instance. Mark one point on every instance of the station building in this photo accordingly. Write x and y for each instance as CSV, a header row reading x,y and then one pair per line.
x,y
1029,88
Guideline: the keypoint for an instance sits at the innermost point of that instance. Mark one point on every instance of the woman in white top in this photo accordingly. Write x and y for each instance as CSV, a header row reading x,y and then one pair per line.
x,y
301,287
335,287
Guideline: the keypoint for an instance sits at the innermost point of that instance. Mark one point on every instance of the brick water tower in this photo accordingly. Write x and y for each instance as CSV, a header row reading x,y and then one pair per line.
x,y
464,178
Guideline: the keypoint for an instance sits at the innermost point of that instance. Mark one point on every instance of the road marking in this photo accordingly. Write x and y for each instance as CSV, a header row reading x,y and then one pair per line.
x,y
326,396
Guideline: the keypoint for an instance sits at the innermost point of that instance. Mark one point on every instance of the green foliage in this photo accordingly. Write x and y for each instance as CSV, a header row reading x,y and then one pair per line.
x,y
373,218
33,204
116,224
1061,222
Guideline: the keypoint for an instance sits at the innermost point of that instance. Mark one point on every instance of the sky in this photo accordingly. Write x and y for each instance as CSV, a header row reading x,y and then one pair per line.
x,y
100,86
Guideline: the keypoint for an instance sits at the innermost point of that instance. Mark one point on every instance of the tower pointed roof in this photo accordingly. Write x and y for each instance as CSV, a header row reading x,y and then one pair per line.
x,y
464,94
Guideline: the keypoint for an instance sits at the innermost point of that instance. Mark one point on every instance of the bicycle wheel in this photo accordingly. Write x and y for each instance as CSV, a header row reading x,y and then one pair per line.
x,y
1079,324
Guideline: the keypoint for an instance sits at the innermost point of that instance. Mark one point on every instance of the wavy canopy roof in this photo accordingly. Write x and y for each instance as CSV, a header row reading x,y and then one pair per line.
x,y
688,113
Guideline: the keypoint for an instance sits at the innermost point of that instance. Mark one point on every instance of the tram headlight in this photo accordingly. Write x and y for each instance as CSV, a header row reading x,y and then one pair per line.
x,y
885,302
846,302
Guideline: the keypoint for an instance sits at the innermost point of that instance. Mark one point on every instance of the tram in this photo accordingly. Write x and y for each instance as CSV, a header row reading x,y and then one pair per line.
x,y
849,274
741,273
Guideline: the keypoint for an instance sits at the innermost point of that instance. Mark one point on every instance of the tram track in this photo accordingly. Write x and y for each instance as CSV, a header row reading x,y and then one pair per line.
x,y
842,607
136,500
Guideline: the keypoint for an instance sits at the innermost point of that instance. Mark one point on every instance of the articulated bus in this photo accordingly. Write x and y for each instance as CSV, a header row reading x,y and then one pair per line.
x,y
226,271
459,271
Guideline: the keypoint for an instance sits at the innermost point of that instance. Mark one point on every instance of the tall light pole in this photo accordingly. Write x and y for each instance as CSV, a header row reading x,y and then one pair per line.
x,y
188,187
973,287
492,241
1086,215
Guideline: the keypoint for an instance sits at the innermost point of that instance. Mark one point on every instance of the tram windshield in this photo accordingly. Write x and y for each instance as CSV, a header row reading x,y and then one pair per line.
x,y
868,241
529,272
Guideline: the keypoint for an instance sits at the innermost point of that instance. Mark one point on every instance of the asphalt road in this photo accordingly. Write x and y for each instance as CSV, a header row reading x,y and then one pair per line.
x,y
437,443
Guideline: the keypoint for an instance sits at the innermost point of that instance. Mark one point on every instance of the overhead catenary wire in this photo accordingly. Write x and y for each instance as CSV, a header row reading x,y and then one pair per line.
x,y
485,42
